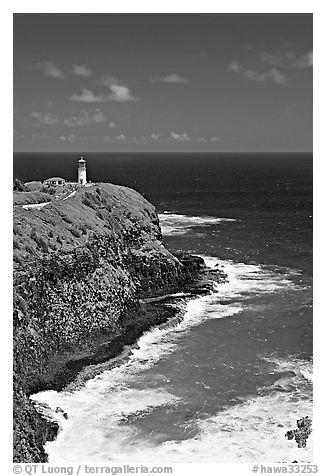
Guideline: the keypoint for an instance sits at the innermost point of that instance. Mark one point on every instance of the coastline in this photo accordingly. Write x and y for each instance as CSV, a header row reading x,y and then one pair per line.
x,y
81,304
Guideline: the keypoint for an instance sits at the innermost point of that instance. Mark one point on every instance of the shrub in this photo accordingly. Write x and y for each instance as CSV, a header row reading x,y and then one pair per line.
x,y
67,219
29,249
59,240
18,260
86,201
52,245
48,189
74,232
50,234
22,304
19,186
39,241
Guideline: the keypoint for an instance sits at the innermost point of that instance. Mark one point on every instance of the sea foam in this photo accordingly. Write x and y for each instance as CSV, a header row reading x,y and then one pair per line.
x,y
100,429
176,224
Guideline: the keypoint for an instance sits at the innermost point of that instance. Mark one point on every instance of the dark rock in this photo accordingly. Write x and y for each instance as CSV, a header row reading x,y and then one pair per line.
x,y
301,433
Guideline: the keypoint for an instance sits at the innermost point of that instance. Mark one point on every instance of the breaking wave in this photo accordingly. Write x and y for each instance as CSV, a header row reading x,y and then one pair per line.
x,y
176,224
103,414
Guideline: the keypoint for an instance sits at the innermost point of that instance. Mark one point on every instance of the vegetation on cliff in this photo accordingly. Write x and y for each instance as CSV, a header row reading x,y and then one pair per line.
x,y
80,267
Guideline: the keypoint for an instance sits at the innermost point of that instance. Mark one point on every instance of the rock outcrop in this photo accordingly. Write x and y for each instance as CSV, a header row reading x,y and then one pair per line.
x,y
301,433
81,266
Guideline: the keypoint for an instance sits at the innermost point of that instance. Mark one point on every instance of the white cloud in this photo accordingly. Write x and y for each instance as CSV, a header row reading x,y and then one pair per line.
x,y
70,137
179,137
51,69
81,70
120,93
108,80
273,75
305,61
274,59
118,90
98,116
87,96
121,138
235,66
112,124
172,78
84,118
156,137
47,119
288,59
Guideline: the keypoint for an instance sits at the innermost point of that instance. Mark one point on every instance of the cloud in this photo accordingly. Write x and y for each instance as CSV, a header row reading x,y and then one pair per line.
x,y
272,75
81,70
118,90
121,138
156,137
120,93
112,124
47,119
69,138
109,80
172,78
235,66
51,69
274,59
305,61
288,59
98,116
87,96
84,118
179,137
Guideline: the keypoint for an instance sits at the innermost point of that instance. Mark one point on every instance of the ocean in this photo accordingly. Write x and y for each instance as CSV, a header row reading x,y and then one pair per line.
x,y
226,382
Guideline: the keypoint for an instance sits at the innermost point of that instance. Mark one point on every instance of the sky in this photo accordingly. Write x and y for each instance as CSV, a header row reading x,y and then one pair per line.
x,y
163,82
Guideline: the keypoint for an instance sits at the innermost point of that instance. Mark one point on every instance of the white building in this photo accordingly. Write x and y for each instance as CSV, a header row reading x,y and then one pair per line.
x,y
82,171
55,181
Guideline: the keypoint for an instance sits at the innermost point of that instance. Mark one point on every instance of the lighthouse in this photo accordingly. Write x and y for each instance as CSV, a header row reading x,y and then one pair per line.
x,y
82,171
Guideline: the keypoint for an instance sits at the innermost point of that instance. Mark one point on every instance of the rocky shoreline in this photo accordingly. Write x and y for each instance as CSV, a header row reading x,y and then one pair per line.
x,y
86,270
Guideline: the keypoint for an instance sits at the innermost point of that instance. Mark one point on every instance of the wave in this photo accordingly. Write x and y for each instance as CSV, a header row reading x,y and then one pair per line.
x,y
247,279
102,429
295,373
101,414
176,224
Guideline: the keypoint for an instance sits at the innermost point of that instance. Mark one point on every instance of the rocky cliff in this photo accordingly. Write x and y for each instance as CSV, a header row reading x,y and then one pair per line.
x,y
82,267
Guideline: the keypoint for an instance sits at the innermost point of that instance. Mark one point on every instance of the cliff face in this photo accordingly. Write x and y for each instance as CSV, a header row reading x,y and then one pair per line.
x,y
80,267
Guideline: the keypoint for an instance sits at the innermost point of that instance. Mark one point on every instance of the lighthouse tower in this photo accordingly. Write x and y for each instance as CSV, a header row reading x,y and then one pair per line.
x,y
81,171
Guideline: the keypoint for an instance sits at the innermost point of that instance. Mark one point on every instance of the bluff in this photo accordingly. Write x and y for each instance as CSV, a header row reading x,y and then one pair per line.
x,y
83,268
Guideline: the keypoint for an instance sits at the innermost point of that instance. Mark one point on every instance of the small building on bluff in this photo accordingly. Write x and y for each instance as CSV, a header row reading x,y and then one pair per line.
x,y
55,181
81,171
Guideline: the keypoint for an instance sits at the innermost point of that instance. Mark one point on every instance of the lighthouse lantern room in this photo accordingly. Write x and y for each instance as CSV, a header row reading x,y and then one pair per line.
x,y
82,171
